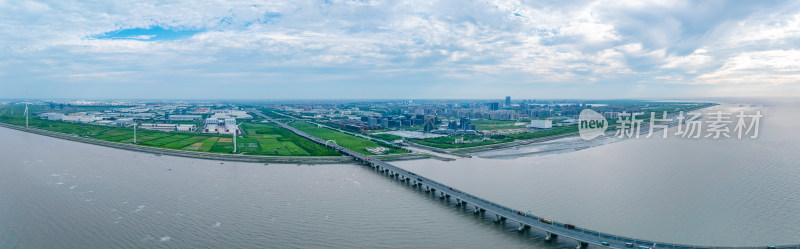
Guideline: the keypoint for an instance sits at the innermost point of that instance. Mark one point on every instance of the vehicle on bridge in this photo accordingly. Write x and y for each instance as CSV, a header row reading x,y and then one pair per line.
x,y
546,221
570,226
605,243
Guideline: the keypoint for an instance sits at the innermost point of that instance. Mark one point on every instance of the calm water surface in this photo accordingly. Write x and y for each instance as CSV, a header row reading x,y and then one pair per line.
x,y
61,194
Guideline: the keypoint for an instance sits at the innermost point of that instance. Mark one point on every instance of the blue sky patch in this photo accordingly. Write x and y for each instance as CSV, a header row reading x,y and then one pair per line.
x,y
147,34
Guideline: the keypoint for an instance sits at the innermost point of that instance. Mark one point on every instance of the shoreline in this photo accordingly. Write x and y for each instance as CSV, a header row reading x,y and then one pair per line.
x,y
210,156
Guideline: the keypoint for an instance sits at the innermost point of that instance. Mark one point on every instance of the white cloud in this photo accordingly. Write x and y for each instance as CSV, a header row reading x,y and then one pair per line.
x,y
639,42
692,63
773,67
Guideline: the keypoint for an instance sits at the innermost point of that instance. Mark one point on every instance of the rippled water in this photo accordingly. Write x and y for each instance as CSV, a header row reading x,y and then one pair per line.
x,y
724,192
61,194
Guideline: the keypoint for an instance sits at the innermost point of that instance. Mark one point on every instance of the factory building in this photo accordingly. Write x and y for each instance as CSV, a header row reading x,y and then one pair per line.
x,y
541,124
221,125
169,127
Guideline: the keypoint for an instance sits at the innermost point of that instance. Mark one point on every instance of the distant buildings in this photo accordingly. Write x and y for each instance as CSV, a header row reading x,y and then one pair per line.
x,y
184,117
232,113
508,100
51,116
611,115
201,110
86,118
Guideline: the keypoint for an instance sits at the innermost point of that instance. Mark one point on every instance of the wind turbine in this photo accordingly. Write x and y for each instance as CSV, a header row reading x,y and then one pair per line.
x,y
234,136
26,115
134,131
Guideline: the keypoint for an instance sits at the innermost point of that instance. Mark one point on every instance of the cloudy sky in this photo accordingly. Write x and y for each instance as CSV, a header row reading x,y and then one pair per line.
x,y
398,49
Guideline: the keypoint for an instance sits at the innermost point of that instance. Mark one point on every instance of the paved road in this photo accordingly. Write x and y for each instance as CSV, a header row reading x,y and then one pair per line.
x,y
584,237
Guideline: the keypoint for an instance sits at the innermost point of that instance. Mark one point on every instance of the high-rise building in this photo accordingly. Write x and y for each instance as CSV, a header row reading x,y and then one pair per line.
x,y
385,123
464,124
494,106
508,100
452,125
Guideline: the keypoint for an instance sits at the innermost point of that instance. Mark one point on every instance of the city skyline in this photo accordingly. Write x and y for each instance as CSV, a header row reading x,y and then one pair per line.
x,y
398,50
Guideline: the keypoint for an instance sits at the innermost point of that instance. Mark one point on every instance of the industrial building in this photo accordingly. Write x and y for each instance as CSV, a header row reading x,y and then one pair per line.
x,y
184,117
169,127
541,124
51,116
221,125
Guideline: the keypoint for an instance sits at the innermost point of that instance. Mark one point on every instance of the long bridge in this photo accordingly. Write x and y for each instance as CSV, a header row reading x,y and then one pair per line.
x,y
552,229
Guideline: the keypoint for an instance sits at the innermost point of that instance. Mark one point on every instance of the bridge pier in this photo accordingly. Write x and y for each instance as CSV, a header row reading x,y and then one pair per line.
x,y
582,245
458,202
498,218
477,210
550,236
447,196
522,227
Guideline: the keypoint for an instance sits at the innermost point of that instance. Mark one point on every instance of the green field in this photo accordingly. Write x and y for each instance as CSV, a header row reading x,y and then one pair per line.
x,y
498,124
274,140
258,139
342,139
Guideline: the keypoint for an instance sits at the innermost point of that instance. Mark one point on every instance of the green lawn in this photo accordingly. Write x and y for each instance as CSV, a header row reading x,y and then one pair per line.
x,y
345,140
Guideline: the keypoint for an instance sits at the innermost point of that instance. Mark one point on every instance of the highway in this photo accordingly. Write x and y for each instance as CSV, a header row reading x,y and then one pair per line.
x,y
553,229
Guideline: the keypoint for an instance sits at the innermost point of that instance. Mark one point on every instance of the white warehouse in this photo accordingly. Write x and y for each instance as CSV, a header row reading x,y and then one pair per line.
x,y
541,124
222,126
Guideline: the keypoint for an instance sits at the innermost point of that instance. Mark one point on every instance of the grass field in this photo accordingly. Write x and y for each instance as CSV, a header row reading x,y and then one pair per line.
x,y
274,140
343,139
498,124
258,139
